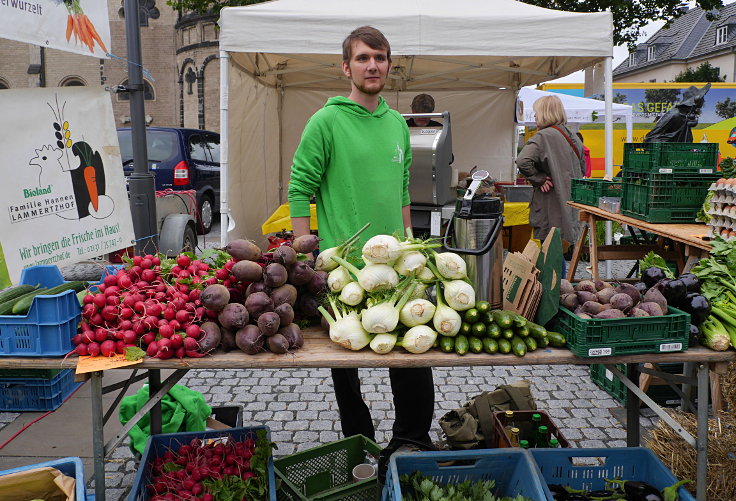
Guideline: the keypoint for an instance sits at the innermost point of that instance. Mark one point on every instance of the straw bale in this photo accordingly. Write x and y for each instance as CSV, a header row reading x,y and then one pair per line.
x,y
680,457
728,386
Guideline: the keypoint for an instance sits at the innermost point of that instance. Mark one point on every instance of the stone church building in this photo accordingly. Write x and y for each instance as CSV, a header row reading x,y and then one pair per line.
x,y
180,59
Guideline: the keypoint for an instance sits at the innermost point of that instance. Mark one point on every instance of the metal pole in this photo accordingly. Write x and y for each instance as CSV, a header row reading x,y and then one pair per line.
x,y
608,84
701,445
98,439
154,384
141,182
632,408
224,148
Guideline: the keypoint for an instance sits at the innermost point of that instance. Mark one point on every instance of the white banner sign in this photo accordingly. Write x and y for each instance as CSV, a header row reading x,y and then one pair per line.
x,y
63,197
80,26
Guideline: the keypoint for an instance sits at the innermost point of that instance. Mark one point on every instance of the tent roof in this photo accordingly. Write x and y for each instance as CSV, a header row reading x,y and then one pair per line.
x,y
578,109
435,43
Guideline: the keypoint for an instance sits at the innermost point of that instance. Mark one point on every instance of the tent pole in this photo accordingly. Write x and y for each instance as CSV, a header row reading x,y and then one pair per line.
x,y
608,85
224,163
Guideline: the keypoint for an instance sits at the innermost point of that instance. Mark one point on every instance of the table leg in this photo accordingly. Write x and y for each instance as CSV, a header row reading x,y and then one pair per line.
x,y
702,439
98,439
154,384
593,246
632,408
577,250
717,369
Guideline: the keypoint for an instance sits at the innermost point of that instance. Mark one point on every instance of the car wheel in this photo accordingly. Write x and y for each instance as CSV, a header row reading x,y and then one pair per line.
x,y
189,243
206,215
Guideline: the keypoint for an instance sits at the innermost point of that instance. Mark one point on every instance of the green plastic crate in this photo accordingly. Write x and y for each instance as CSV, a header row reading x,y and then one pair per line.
x,y
325,473
620,336
588,191
661,394
668,158
664,198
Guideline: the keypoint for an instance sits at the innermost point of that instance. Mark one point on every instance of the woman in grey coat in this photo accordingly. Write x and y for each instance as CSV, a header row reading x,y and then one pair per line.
x,y
549,160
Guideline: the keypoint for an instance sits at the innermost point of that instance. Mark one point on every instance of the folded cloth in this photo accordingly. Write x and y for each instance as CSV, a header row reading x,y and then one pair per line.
x,y
182,409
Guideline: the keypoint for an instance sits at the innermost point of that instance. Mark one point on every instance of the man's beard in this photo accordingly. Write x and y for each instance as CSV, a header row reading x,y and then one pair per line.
x,y
370,92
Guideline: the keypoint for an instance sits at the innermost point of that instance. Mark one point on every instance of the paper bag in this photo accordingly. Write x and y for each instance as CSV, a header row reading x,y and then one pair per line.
x,y
44,483
549,264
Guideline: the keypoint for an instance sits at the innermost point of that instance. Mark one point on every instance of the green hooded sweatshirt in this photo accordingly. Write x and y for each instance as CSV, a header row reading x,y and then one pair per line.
x,y
357,164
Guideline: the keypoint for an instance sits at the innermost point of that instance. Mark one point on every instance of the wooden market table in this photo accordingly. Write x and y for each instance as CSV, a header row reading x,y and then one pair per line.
x,y
688,238
320,352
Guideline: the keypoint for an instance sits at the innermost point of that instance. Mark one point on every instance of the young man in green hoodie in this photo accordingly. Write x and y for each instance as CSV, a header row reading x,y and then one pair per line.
x,y
354,155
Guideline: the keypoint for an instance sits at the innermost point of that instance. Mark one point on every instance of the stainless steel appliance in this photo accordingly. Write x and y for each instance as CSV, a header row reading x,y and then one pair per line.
x,y
475,230
431,150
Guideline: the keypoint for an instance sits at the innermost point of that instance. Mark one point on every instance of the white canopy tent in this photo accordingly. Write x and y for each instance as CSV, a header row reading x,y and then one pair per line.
x,y
281,60
579,110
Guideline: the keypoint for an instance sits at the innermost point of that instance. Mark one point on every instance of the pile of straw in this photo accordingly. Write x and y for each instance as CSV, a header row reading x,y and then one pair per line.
x,y
728,386
680,457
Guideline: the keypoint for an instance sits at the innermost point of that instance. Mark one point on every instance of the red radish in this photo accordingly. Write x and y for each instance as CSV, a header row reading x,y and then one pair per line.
x,y
96,319
176,340
154,309
190,344
89,310
184,274
81,349
100,334
93,349
175,324
120,347
166,331
99,300
164,344
210,281
130,337
148,275
183,261
113,300
107,348
112,290
77,339
148,338
87,299
101,287
124,281
126,313
88,337
222,274
125,325
152,349
137,260
109,312
195,354
165,355
182,316
194,331
169,313
156,260
180,352
146,263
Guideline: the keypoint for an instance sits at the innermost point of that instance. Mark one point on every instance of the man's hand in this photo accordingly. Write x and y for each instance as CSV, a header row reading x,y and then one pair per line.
x,y
300,226
547,185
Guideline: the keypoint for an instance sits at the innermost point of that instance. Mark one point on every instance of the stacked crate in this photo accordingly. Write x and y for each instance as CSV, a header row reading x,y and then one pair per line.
x,y
667,182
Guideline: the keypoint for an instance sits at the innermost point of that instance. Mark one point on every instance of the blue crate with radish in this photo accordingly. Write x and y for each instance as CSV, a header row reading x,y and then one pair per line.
x,y
512,471
47,328
588,469
43,486
185,465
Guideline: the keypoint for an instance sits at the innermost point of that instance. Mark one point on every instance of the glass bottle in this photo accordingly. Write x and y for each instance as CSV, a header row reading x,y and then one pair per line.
x,y
515,437
524,444
536,422
542,437
553,442
509,424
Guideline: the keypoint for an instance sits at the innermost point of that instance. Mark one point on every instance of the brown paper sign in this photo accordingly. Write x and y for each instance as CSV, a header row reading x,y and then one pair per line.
x,y
100,363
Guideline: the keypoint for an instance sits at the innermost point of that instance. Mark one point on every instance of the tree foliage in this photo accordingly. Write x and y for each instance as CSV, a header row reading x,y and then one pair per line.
x,y
726,109
205,6
703,73
629,16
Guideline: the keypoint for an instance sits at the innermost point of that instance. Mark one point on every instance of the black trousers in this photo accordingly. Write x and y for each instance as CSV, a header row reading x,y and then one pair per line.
x,y
413,391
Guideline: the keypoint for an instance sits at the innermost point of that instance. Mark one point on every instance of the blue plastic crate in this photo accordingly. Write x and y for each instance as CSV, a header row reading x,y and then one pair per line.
x,y
512,469
71,467
27,394
158,444
51,323
572,467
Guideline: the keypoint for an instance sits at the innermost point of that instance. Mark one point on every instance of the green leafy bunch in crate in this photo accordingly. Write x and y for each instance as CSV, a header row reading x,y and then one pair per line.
x,y
426,489
728,167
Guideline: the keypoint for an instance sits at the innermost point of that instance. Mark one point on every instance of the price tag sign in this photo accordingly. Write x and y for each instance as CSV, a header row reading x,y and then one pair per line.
x,y
600,352
100,363
670,347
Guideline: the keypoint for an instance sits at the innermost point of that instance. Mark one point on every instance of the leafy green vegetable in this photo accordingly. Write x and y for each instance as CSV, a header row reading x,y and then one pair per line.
x,y
718,272
227,488
656,261
133,353
703,215
171,466
418,487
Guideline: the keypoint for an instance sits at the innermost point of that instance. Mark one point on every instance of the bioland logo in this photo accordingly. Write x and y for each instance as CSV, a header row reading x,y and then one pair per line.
x,y
36,192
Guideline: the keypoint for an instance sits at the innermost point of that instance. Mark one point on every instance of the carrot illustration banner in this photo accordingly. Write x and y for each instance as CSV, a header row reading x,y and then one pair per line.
x,y
80,26
67,200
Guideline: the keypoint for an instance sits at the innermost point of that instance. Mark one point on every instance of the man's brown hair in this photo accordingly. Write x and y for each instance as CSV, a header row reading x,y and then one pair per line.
x,y
422,103
370,36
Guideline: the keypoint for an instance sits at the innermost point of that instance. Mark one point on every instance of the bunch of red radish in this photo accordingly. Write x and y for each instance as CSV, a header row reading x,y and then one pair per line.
x,y
179,475
138,307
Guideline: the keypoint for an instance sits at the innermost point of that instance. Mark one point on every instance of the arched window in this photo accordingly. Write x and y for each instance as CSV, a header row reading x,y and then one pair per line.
x,y
4,84
146,10
72,82
148,93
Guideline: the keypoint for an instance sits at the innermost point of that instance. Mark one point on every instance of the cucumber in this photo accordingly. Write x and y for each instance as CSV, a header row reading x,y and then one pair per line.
x,y
504,346
493,330
519,321
472,316
531,343
507,333
6,308
479,329
518,346
503,319
536,331
543,342
476,345
490,345
465,329
462,345
22,306
522,331
16,292
483,306
556,339
486,317
447,344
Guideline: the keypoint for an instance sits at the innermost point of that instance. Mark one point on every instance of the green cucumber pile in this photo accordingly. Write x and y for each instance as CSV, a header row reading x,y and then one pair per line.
x,y
485,330
18,300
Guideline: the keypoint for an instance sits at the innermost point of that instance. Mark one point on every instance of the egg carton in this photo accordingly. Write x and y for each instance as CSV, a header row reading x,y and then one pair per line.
x,y
726,233
722,209
723,222
723,197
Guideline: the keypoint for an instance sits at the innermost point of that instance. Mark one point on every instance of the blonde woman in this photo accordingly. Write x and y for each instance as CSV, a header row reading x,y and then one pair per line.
x,y
549,160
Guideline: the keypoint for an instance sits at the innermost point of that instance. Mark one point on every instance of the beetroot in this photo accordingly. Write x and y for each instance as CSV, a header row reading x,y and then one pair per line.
x,y
293,334
284,294
284,255
215,297
278,344
247,271
242,250
249,339
269,323
285,313
227,342
318,283
305,244
257,304
300,273
257,287
274,275
234,316
307,306
211,336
